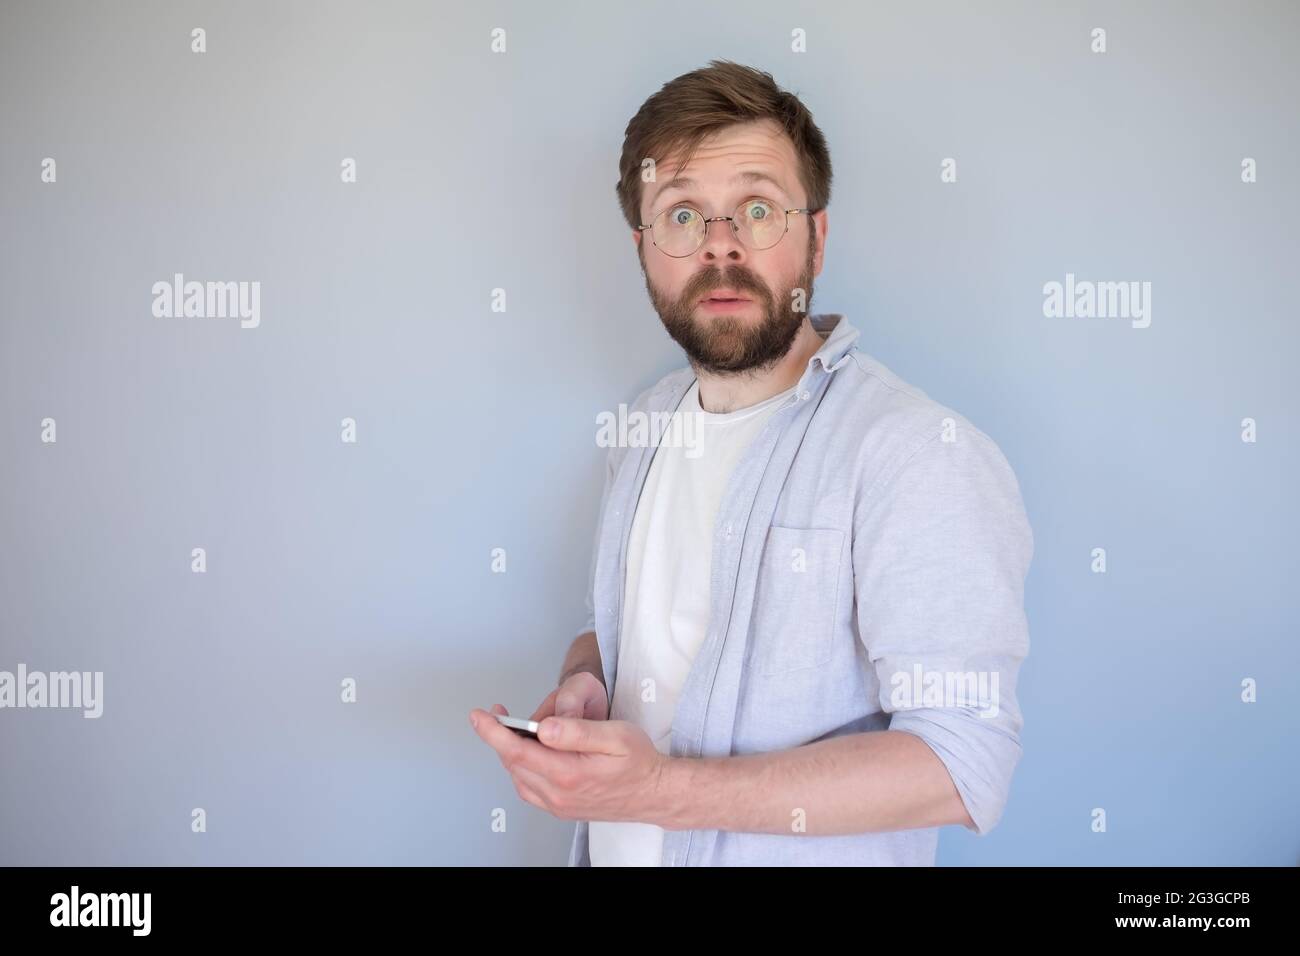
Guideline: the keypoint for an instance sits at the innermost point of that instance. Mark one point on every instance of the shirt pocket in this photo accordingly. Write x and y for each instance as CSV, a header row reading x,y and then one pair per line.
x,y
794,600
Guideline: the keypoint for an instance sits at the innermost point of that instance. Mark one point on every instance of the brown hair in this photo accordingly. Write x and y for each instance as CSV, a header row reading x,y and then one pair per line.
x,y
695,105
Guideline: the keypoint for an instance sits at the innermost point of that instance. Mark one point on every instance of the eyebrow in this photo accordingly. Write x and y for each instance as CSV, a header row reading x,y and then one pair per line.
x,y
749,176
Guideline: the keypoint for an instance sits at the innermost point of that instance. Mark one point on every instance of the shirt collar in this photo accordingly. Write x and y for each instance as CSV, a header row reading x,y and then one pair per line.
x,y
840,336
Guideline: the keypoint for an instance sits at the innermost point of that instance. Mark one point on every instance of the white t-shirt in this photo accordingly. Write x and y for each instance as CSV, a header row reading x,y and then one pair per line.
x,y
666,603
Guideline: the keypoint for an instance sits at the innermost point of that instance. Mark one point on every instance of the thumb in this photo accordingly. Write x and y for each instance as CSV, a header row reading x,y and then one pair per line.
x,y
576,734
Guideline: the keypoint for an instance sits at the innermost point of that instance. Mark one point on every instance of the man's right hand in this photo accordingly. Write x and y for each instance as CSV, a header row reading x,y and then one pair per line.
x,y
580,695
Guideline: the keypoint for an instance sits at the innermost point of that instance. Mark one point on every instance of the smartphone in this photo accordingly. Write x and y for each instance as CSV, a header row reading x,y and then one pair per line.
x,y
524,728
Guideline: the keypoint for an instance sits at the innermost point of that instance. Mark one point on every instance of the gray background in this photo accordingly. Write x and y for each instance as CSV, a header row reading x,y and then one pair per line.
x,y
477,429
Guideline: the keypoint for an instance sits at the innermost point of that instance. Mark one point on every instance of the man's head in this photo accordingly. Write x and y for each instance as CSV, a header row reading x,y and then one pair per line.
x,y
737,139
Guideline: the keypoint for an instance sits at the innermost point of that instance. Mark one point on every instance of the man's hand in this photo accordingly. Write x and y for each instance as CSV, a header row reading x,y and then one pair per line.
x,y
579,695
583,769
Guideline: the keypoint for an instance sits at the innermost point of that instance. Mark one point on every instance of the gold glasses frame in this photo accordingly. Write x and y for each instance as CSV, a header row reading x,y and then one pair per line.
x,y
735,230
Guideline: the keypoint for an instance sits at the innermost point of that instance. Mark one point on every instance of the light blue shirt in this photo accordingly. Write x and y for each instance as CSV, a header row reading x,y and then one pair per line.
x,y
869,560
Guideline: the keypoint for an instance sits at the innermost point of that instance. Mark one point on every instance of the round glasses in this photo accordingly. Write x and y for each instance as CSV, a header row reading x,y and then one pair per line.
x,y
757,223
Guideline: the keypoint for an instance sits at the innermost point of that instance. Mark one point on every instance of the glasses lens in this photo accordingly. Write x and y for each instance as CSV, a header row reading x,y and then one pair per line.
x,y
679,230
761,224
758,223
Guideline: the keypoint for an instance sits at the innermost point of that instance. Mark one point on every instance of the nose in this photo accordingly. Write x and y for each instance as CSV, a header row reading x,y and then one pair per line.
x,y
721,242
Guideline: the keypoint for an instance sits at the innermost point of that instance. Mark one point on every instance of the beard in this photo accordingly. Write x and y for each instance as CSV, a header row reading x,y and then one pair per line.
x,y
728,344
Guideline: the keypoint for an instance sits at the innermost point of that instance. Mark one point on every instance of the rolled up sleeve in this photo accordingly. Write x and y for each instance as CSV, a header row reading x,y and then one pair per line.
x,y
941,550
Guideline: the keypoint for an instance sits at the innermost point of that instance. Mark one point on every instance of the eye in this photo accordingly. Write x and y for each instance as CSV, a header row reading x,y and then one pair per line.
x,y
681,216
758,210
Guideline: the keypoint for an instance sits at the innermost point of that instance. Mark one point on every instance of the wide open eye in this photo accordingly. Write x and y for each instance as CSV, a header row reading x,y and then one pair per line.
x,y
682,217
679,230
758,211
760,223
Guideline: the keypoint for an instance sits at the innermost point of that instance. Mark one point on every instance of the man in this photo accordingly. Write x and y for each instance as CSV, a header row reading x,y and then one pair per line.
x,y
812,618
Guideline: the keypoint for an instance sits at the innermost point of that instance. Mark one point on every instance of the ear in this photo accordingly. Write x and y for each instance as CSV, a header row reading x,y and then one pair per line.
x,y
823,224
637,237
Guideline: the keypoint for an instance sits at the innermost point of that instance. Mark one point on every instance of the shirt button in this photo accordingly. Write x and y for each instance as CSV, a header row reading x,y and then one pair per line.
x,y
805,396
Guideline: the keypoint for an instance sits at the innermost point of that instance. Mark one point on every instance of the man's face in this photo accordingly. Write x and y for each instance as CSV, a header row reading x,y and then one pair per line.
x,y
751,334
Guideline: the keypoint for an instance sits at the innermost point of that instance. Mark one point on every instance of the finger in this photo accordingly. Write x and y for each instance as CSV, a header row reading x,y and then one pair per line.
x,y
597,707
536,784
589,736
569,703
529,796
499,709
500,738
547,707
515,751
